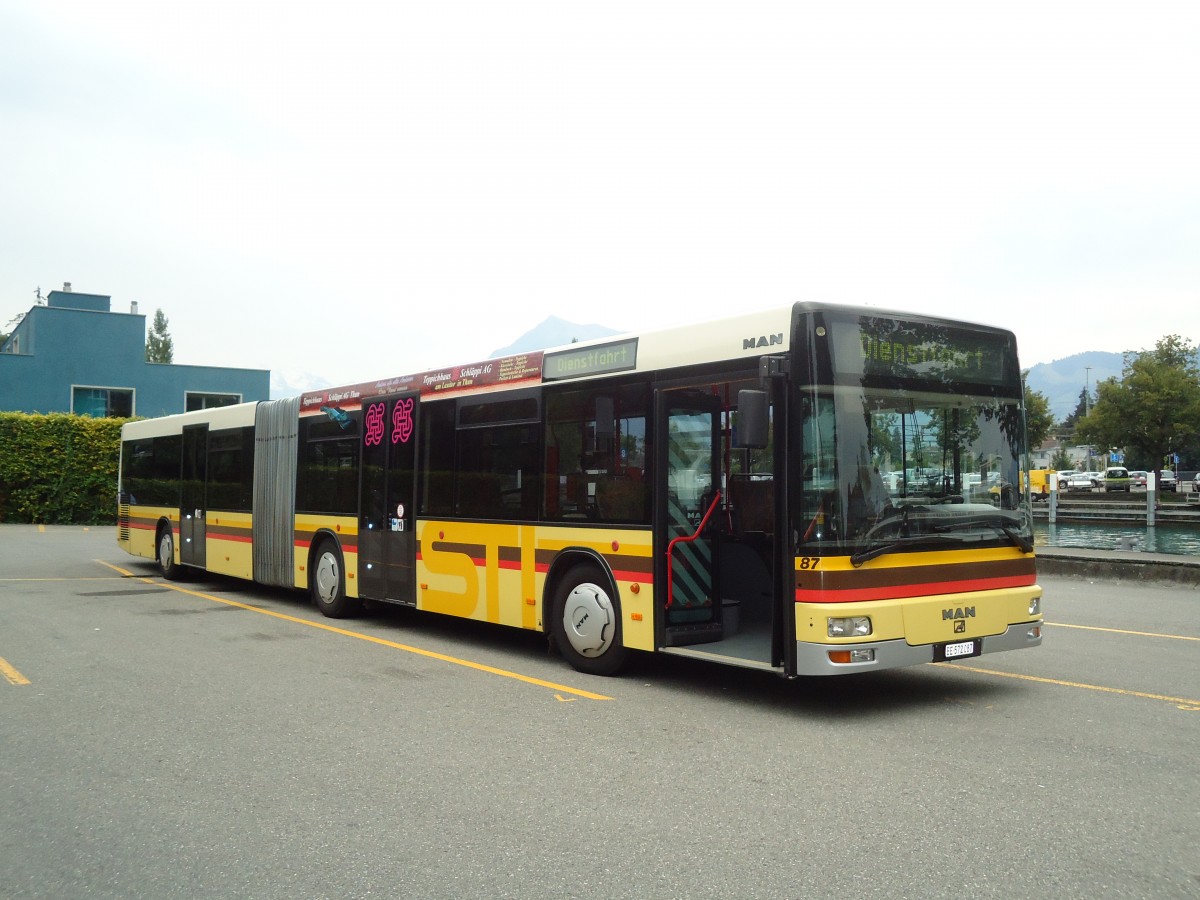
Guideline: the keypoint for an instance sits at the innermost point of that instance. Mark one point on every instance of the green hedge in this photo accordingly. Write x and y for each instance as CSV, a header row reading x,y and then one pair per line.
x,y
59,469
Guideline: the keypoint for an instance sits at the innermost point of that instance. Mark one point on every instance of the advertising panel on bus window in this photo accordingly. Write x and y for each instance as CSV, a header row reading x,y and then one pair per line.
x,y
507,370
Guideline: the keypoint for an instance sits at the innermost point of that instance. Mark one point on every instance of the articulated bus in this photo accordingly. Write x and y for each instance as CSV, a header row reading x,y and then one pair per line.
x,y
815,490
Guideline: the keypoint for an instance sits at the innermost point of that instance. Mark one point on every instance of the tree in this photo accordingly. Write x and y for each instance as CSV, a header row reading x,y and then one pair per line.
x,y
1153,409
1039,421
1070,423
159,346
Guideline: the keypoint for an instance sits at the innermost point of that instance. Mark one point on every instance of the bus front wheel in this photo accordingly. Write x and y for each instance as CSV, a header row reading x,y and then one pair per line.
x,y
327,582
587,622
166,552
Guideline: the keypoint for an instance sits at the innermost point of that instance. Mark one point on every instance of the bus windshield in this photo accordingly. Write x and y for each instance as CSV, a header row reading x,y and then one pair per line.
x,y
917,445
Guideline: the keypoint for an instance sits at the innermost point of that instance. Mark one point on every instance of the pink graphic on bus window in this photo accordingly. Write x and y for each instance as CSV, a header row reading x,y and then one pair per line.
x,y
374,425
402,421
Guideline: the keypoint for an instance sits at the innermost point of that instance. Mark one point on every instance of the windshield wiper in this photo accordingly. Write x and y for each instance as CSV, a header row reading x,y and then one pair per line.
x,y
931,531
1001,524
897,519
911,540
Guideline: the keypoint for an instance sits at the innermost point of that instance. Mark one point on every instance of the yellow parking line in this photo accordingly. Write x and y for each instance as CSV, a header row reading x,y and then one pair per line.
x,y
1173,637
481,667
1182,702
11,674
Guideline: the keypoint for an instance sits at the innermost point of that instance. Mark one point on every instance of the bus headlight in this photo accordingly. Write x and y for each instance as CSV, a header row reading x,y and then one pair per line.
x,y
849,626
1035,605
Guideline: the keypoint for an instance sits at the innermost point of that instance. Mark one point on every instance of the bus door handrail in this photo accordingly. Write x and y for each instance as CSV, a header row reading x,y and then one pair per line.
x,y
686,539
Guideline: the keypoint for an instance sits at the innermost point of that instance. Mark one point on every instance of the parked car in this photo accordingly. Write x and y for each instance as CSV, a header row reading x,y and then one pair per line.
x,y
1063,479
1137,478
1081,481
1116,478
1166,480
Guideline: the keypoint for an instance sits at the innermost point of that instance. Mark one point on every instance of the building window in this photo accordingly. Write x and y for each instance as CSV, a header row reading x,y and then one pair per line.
x,y
102,403
193,402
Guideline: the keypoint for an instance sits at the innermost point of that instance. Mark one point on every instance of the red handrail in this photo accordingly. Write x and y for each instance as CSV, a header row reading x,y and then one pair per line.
x,y
687,539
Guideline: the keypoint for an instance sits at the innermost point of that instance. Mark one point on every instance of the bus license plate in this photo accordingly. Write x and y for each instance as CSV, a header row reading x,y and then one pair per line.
x,y
956,650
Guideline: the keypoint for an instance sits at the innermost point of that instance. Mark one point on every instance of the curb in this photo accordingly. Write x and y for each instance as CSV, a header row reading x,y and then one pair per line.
x,y
1118,565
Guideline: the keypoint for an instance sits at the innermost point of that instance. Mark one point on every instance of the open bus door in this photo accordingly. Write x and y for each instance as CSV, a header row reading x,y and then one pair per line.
x,y
721,545
387,540
689,466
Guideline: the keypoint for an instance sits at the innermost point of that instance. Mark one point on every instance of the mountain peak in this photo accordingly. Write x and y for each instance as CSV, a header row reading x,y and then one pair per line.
x,y
554,332
1063,380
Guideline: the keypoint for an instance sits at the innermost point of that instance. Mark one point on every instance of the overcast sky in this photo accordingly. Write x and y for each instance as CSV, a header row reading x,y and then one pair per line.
x,y
362,189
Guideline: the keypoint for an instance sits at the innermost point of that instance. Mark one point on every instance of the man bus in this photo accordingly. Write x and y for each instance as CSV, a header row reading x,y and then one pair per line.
x,y
813,490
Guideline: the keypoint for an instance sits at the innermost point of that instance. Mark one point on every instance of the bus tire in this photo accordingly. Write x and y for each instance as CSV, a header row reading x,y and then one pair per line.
x,y
327,582
587,622
164,548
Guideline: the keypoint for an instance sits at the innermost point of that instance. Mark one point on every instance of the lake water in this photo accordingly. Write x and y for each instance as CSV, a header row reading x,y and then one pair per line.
x,y
1182,540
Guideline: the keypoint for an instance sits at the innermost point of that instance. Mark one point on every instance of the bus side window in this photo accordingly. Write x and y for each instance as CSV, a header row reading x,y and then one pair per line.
x,y
437,455
753,503
621,499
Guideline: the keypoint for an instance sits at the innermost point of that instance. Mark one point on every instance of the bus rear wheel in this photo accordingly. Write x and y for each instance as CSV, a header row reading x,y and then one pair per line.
x,y
587,622
165,545
327,582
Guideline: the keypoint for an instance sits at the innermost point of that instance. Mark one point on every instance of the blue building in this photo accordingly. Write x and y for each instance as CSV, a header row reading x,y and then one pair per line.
x,y
74,354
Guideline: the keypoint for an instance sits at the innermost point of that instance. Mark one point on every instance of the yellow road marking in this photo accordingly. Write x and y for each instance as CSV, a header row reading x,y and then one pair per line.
x,y
1174,637
11,674
1181,702
441,657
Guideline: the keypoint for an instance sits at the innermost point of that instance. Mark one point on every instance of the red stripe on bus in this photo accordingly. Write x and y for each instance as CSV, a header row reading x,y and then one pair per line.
x,y
901,591
544,568
346,546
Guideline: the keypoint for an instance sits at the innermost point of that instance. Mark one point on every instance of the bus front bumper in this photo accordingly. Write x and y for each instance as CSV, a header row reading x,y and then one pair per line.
x,y
815,659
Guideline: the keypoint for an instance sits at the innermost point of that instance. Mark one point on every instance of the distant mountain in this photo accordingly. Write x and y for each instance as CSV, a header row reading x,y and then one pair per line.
x,y
1063,380
293,383
554,332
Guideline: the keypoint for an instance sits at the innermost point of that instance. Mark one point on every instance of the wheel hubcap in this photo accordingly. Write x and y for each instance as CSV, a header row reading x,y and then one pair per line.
x,y
327,577
588,620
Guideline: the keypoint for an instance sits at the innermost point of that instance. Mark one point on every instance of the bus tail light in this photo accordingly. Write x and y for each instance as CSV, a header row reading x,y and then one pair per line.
x,y
850,626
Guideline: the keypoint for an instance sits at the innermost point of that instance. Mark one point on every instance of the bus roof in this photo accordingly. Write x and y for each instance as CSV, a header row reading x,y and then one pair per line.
x,y
238,416
747,336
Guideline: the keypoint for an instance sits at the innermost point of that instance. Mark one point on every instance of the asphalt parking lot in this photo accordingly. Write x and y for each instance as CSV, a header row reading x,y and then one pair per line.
x,y
212,738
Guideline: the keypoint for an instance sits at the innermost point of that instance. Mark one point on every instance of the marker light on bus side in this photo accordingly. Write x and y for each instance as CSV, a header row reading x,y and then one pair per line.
x,y
852,626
